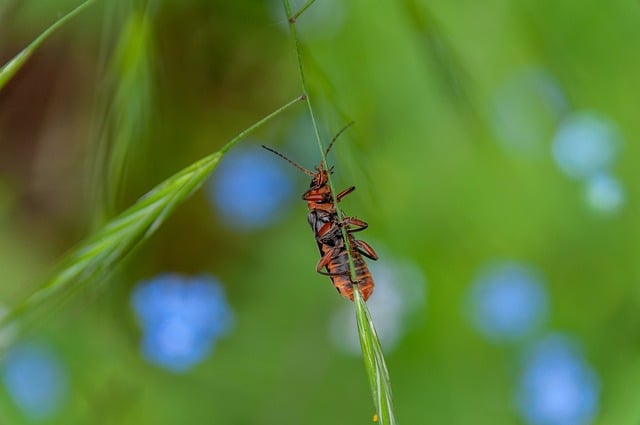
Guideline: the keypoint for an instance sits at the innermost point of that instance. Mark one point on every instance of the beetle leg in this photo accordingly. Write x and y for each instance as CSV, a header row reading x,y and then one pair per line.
x,y
345,193
365,249
323,230
356,222
326,258
333,274
330,234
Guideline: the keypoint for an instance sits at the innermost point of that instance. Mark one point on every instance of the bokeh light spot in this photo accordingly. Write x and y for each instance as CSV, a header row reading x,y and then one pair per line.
x,y
507,301
250,189
604,193
526,110
398,297
557,386
586,144
35,379
181,319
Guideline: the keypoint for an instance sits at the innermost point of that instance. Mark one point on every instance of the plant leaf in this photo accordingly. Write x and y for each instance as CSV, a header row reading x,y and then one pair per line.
x,y
99,254
123,115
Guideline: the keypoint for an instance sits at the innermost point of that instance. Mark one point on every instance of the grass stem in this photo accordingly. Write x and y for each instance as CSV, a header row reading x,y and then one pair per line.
x,y
8,70
373,356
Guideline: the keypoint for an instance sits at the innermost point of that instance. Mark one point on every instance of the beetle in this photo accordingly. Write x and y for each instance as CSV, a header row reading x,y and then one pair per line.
x,y
327,227
334,255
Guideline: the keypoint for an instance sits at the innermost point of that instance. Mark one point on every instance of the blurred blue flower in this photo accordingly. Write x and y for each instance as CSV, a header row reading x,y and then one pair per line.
x,y
35,379
250,189
399,295
586,144
507,301
526,110
181,319
557,386
605,193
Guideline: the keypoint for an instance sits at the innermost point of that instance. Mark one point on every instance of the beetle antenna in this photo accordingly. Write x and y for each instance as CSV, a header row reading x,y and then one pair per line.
x,y
338,135
295,164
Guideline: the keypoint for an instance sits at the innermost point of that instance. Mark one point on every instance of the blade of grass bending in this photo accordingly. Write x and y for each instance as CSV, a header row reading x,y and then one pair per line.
x,y
9,69
303,82
98,255
131,105
374,362
371,349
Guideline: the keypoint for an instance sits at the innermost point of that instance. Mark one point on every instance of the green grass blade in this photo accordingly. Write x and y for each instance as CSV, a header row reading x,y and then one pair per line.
x,y
129,111
371,349
9,69
374,362
103,252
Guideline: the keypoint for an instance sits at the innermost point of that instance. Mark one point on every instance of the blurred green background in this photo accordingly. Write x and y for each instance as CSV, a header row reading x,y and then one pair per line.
x,y
499,132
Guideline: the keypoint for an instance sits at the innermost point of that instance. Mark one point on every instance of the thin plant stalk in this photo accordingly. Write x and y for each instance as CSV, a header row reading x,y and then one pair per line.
x,y
8,70
292,18
373,355
294,34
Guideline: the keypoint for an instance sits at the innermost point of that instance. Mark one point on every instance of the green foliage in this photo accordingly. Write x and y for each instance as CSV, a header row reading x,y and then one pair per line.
x,y
126,108
9,69
101,253
439,188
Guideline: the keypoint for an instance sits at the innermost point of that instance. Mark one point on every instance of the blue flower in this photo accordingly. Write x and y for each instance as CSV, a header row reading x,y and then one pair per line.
x,y
181,319
586,144
507,301
250,189
35,379
557,386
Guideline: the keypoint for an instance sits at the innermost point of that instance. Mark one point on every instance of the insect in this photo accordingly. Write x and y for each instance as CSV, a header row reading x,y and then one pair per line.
x,y
327,227
333,249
